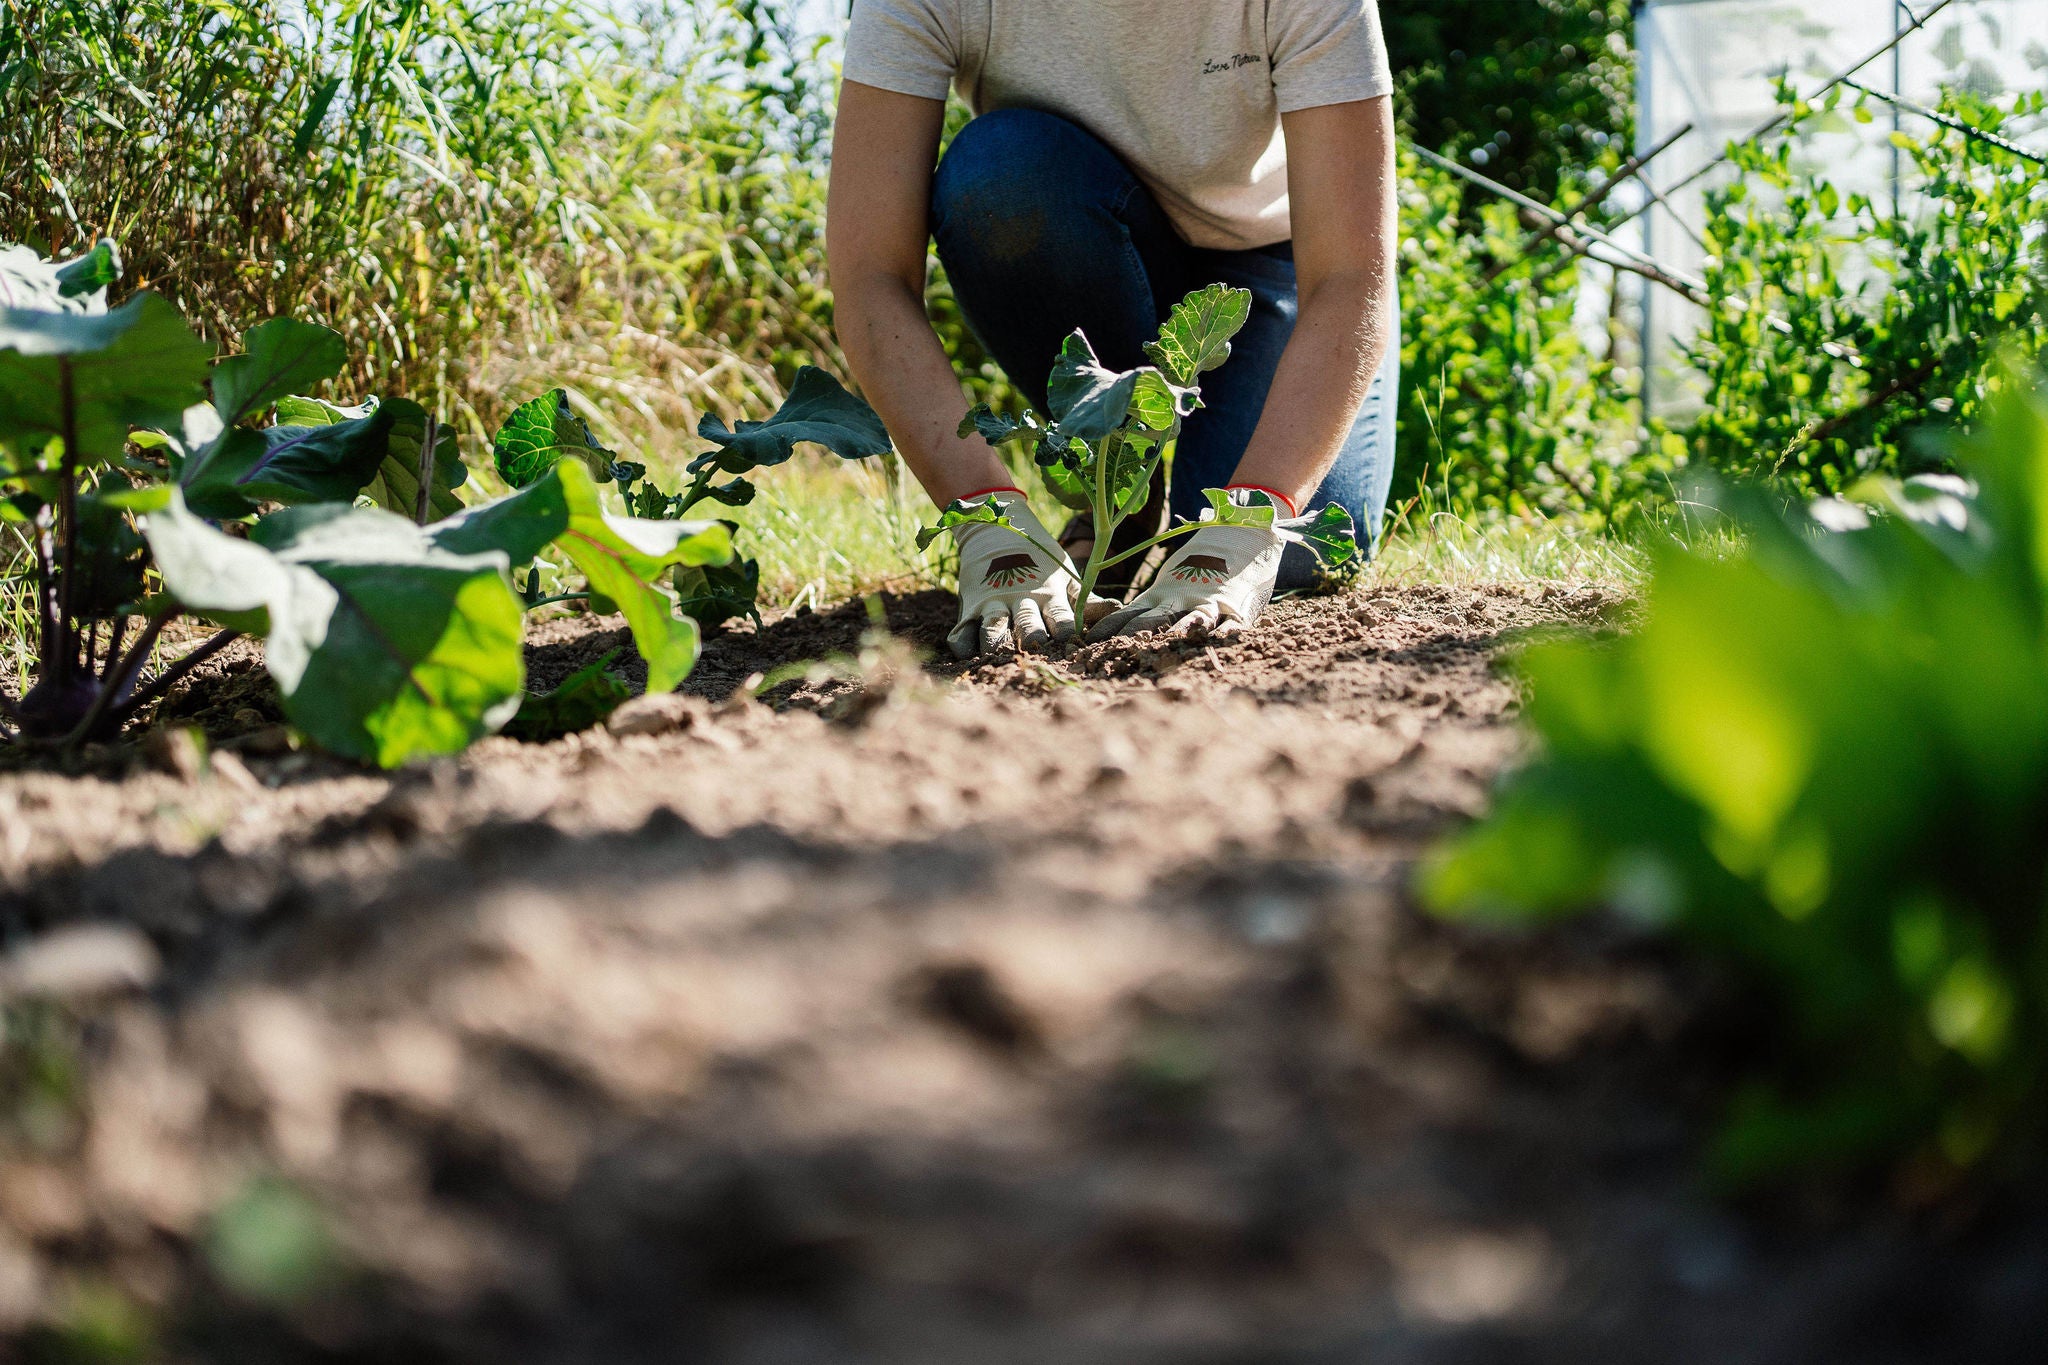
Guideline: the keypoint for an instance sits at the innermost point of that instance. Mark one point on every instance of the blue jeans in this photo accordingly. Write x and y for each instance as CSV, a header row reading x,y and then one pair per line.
x,y
1042,229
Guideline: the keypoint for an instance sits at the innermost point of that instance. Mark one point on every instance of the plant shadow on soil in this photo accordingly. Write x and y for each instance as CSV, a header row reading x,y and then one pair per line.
x,y
1018,1011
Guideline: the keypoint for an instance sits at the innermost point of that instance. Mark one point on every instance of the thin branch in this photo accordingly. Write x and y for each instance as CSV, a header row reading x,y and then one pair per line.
x,y
1561,224
163,682
1946,121
1920,21
1598,195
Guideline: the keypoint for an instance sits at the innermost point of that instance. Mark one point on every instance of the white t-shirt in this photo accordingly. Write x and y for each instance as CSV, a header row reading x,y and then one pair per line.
x,y
1188,92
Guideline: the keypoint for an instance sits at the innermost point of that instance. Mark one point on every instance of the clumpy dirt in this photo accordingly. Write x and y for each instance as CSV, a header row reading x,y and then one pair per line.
x,y
1026,1011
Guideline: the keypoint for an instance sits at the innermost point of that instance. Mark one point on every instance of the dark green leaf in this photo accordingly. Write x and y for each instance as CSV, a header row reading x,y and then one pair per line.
x,y
579,701
289,465
819,410
317,106
396,484
997,427
138,365
281,357
960,512
91,275
713,594
1087,401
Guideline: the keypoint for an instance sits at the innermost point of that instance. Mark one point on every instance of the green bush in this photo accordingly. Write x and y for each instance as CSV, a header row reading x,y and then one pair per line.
x,y
1506,405
1844,325
1824,761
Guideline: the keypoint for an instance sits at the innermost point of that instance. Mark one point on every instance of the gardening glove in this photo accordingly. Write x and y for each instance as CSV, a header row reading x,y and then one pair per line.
x,y
1216,584
1014,593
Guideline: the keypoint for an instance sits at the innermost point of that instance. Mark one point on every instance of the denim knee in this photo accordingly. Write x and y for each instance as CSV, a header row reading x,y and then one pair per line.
x,y
1013,179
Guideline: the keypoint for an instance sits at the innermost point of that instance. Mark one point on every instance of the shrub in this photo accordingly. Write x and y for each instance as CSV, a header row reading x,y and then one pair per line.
x,y
1847,325
1824,760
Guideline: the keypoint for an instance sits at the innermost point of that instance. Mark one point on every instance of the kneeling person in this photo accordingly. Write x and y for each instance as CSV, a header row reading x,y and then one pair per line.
x,y
1121,156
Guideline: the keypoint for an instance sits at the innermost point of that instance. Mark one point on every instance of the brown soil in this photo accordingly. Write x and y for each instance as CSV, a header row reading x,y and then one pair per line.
x,y
1035,1012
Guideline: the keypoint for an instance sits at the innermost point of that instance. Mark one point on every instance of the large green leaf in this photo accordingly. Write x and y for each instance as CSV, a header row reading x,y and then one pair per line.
x,y
539,434
519,526
1196,335
818,410
395,484
288,464
139,365
624,560
384,645
77,286
1087,400
282,357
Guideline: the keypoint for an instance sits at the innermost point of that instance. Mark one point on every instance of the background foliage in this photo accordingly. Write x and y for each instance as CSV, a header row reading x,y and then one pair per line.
x,y
1824,760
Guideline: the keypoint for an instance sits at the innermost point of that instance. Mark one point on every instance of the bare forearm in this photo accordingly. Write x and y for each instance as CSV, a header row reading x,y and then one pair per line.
x,y
896,357
1341,336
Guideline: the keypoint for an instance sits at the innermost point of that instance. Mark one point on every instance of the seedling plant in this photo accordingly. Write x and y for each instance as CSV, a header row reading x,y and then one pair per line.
x,y
1111,431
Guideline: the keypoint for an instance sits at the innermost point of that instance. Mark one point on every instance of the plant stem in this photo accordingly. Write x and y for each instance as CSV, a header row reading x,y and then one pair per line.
x,y
423,502
118,678
67,520
117,635
1159,539
166,680
559,597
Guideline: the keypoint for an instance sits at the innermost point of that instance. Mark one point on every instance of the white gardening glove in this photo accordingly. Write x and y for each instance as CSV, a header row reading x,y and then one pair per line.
x,y
1013,592
1215,584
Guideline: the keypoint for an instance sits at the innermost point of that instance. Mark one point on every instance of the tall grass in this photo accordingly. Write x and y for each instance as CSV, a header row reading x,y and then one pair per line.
x,y
486,197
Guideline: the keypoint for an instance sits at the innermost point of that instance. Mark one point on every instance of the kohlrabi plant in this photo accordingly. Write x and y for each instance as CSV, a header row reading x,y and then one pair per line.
x,y
142,489
818,411
1110,432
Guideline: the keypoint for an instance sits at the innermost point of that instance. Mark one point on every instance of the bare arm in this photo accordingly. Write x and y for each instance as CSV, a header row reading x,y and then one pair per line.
x,y
876,226
1340,172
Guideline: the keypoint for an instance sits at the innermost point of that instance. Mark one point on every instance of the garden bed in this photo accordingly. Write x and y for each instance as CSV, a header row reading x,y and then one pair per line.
x,y
1018,1011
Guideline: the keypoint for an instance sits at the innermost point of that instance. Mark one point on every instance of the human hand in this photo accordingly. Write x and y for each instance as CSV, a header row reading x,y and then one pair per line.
x,y
1017,588
1221,577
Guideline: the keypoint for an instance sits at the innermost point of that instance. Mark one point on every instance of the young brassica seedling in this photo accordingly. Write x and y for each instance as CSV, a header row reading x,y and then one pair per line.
x,y
1111,431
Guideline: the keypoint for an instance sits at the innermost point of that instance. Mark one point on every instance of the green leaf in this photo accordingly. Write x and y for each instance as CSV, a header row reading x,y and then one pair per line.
x,y
519,526
997,427
960,512
539,434
1196,336
138,365
818,410
1087,400
732,493
78,286
624,558
289,465
579,701
1329,532
110,557
395,487
90,276
282,356
713,594
384,646
1159,403
317,106
1242,507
